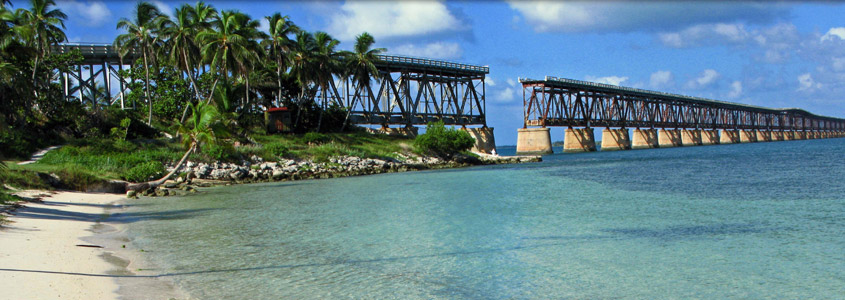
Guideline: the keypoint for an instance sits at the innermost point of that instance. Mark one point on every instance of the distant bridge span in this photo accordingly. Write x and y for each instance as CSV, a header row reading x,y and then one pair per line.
x,y
683,120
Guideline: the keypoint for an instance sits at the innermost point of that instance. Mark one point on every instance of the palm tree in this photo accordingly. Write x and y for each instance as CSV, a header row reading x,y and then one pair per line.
x,y
45,27
230,44
302,67
328,63
360,66
179,34
203,127
139,35
279,44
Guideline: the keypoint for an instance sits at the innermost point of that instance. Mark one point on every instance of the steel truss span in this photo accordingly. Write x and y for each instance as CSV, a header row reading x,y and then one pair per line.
x,y
573,103
408,91
413,91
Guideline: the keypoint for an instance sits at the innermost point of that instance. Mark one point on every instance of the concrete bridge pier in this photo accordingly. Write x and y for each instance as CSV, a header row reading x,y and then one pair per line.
x,y
729,136
615,139
709,137
764,136
669,138
579,140
691,137
485,142
788,135
817,134
643,139
800,135
533,141
777,135
747,136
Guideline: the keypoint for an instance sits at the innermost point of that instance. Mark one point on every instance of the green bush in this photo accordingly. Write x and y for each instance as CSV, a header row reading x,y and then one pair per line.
x,y
219,152
316,138
276,149
441,141
146,171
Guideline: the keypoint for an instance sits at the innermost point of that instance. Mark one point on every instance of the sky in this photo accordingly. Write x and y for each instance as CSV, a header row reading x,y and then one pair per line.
x,y
784,54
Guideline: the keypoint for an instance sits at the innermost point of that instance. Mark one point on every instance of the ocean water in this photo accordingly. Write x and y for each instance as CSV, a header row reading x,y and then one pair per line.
x,y
749,221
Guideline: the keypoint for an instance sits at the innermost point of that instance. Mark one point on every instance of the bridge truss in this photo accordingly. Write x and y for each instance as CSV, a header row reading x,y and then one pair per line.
x,y
408,91
573,103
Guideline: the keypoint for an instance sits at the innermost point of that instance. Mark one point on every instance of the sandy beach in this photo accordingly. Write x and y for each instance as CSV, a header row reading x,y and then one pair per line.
x,y
46,252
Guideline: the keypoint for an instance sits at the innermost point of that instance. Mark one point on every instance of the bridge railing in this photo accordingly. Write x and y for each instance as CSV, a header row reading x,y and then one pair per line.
x,y
424,62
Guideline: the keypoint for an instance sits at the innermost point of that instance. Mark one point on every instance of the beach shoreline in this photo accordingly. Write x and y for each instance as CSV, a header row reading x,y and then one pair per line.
x,y
66,247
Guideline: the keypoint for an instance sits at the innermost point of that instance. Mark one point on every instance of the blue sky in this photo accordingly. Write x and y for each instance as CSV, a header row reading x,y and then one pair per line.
x,y
788,54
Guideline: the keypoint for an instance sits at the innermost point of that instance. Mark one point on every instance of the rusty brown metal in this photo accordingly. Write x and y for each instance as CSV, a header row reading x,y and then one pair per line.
x,y
573,103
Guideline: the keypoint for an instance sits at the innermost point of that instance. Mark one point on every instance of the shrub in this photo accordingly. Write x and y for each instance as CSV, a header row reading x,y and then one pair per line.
x,y
441,141
316,138
218,152
144,172
276,149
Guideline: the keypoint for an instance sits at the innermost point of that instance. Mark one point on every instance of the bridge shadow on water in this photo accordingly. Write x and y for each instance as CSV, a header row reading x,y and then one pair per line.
x,y
675,233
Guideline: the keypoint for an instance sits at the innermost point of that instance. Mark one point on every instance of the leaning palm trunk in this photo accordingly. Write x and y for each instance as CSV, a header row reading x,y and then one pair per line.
x,y
154,184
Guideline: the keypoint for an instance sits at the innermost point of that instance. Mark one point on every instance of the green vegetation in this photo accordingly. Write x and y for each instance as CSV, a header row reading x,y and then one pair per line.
x,y
201,76
441,141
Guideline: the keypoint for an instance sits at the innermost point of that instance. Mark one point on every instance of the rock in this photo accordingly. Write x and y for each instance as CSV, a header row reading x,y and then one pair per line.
x,y
131,194
171,184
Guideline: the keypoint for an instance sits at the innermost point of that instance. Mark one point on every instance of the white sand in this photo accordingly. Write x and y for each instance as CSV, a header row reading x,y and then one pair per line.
x,y
40,259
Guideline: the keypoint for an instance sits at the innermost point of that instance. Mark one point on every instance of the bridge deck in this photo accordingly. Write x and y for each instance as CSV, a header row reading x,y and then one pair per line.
x,y
578,85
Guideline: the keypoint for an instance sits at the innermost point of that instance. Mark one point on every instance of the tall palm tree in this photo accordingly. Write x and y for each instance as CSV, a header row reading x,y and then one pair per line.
x,y
201,17
279,44
360,66
328,63
45,27
203,127
180,33
227,44
302,67
139,35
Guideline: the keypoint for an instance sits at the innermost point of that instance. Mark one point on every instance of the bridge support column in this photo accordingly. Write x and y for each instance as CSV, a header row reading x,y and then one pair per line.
x,y
579,140
747,136
485,142
533,141
764,136
669,138
777,135
643,139
709,137
818,134
691,137
615,139
788,135
729,136
800,135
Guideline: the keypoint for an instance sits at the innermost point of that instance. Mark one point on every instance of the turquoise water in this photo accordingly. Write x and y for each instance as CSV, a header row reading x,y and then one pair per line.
x,y
763,220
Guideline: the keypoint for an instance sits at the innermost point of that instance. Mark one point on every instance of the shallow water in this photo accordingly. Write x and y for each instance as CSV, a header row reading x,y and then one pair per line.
x,y
764,220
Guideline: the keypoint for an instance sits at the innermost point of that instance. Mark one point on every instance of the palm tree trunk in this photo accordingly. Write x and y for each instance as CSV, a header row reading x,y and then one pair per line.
x,y
154,184
147,89
34,84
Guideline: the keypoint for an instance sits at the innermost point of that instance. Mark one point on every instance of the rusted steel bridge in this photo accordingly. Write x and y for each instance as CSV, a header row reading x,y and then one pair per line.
x,y
683,120
408,91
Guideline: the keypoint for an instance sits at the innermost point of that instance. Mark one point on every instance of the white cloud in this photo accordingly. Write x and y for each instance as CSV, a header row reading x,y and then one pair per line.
x,y
838,32
706,78
88,13
807,84
705,34
442,50
586,16
736,89
612,80
384,19
505,93
264,25
163,8
489,81
661,79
